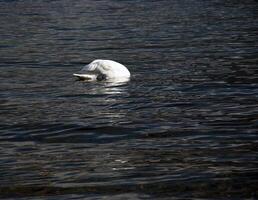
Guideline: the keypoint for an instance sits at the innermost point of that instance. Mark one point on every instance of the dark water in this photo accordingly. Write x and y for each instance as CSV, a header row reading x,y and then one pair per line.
x,y
185,126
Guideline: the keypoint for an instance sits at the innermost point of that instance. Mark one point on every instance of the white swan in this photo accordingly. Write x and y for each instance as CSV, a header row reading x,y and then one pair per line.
x,y
103,70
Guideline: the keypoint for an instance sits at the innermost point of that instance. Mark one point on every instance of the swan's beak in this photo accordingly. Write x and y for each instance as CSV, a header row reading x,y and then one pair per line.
x,y
86,77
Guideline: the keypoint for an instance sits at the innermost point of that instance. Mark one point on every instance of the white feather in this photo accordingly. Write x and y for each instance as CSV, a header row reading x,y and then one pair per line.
x,y
110,69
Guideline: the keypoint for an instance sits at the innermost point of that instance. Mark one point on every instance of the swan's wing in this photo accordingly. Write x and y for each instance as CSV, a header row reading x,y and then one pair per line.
x,y
109,68
114,69
88,72
101,67
89,68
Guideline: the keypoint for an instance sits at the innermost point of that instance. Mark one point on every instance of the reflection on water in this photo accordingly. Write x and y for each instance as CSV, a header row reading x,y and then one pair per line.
x,y
113,86
184,126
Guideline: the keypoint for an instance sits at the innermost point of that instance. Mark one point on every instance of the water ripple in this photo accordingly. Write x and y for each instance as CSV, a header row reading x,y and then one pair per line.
x,y
184,126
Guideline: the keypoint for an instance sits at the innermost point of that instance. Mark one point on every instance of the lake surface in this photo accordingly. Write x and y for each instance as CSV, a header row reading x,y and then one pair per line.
x,y
184,127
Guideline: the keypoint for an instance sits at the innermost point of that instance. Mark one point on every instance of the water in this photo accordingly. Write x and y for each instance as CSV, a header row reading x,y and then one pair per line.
x,y
185,126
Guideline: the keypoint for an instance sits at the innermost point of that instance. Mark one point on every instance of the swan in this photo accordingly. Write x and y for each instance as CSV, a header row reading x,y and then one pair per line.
x,y
103,70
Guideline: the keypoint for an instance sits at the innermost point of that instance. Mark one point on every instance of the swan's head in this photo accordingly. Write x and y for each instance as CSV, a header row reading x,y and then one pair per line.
x,y
103,70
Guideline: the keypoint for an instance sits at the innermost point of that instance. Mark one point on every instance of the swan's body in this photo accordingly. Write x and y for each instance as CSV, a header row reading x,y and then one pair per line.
x,y
103,70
